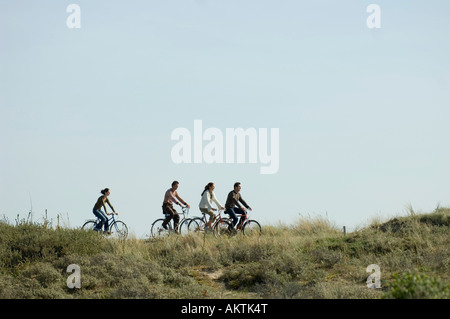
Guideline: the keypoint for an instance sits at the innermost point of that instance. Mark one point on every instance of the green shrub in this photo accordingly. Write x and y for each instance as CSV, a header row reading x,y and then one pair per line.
x,y
44,273
417,286
247,276
28,242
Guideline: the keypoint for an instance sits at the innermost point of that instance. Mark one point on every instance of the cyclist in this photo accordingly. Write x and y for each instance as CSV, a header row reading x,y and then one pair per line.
x,y
171,196
97,210
233,207
205,206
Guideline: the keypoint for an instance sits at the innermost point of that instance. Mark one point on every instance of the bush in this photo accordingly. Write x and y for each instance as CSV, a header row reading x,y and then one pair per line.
x,y
417,286
32,242
44,273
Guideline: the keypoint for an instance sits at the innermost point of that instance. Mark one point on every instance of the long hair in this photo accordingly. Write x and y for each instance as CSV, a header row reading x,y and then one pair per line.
x,y
207,187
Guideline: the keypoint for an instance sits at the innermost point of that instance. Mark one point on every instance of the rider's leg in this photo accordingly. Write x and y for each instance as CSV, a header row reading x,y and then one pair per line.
x,y
176,220
206,212
106,224
212,217
103,219
231,212
241,212
170,213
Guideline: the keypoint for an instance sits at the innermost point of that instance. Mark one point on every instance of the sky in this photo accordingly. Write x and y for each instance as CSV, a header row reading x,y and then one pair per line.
x,y
362,112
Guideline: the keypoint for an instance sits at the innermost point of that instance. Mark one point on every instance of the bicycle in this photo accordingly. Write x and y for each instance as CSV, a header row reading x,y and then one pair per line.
x,y
249,227
220,225
116,228
158,231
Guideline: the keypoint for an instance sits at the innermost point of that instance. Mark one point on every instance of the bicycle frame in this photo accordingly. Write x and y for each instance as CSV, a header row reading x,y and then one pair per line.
x,y
240,223
183,217
216,220
111,220
184,212
200,224
248,226
115,227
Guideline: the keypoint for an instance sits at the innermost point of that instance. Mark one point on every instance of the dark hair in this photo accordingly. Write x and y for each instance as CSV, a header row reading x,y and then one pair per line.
x,y
207,187
174,183
236,184
104,191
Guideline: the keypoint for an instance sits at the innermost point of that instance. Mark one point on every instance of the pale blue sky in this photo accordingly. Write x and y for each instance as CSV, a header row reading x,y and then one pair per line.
x,y
363,113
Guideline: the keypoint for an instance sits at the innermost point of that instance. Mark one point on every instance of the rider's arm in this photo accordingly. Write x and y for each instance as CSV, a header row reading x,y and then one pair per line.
x,y
170,195
231,200
180,199
243,202
107,200
206,201
104,207
214,198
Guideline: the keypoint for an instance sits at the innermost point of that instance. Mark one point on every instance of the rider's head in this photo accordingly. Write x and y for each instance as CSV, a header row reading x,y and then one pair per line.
x,y
237,186
105,191
175,185
209,187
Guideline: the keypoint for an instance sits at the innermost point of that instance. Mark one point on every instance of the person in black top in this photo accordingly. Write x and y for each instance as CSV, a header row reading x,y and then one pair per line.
x,y
233,206
97,210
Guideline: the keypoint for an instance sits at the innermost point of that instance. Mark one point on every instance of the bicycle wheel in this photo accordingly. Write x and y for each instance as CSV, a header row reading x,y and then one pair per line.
x,y
158,231
196,225
119,230
183,226
222,227
251,228
89,225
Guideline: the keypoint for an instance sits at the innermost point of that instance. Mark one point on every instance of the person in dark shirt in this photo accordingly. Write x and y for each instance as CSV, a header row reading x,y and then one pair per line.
x,y
233,204
97,210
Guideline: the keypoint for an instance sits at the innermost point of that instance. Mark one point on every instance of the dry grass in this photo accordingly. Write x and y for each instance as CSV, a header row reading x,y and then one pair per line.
x,y
309,259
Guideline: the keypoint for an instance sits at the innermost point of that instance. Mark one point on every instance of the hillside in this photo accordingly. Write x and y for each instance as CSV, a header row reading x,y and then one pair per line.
x,y
311,259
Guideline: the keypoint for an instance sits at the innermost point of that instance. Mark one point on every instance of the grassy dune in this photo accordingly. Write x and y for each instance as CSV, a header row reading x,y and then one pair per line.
x,y
310,259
